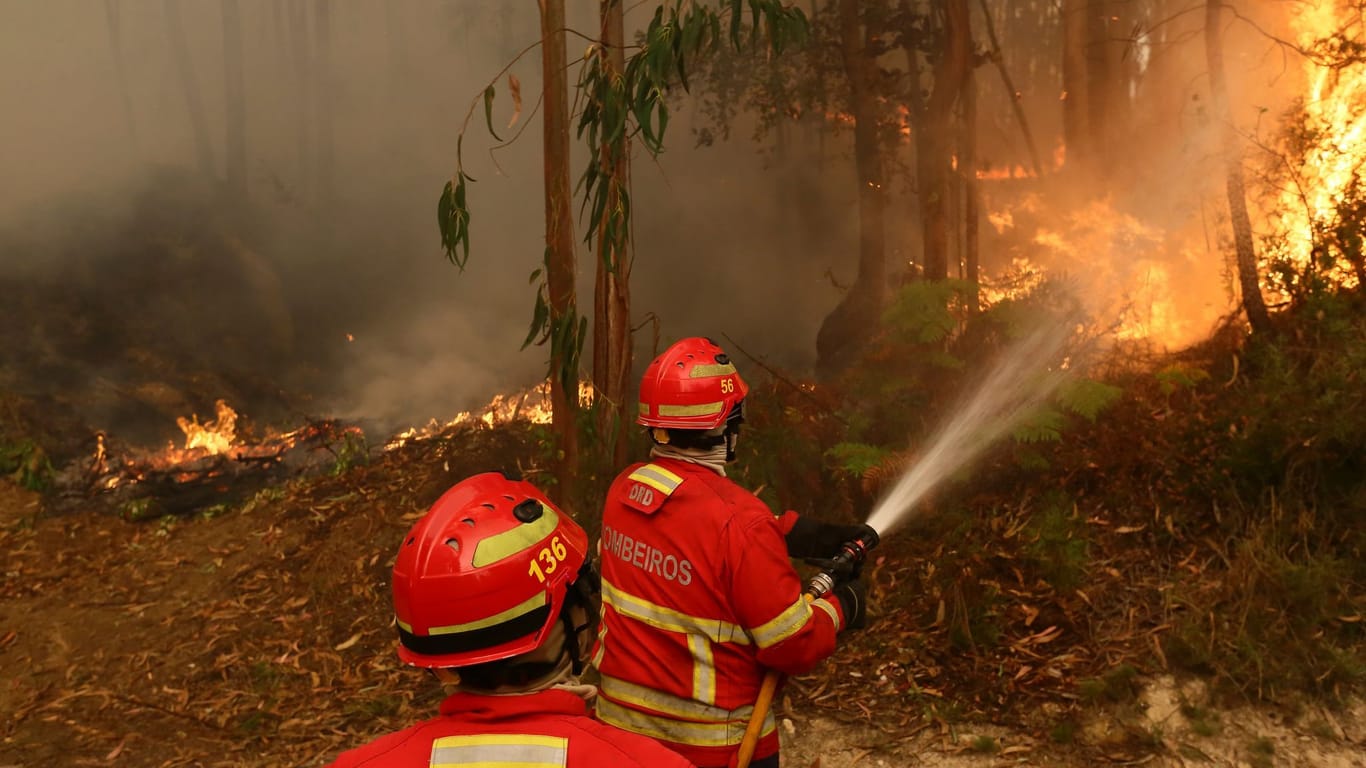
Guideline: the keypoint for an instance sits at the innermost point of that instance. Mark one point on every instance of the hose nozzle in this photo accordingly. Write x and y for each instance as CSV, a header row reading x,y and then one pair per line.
x,y
845,564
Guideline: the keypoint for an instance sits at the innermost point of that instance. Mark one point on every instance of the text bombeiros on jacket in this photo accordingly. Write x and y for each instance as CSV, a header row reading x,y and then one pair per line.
x,y
650,559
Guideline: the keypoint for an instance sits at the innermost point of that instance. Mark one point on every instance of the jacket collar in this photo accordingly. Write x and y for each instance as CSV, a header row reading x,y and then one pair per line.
x,y
480,707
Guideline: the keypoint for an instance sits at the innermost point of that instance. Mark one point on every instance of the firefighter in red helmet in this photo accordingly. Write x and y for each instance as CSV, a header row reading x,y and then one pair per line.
x,y
700,598
493,592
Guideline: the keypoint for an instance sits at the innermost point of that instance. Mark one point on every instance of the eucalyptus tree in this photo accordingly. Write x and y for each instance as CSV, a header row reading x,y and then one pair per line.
x,y
624,103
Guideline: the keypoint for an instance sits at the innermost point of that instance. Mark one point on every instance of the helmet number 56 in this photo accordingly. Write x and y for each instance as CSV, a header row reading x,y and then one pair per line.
x,y
550,556
727,385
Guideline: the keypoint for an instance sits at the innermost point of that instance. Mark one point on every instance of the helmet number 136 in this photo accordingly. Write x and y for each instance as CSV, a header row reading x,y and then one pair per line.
x,y
550,556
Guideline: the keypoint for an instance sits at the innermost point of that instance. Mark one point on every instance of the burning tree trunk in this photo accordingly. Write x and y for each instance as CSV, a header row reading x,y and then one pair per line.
x,y
934,163
858,314
559,243
235,101
180,51
611,297
1248,280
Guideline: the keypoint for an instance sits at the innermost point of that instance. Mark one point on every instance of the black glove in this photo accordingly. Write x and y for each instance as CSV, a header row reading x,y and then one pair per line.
x,y
813,538
853,600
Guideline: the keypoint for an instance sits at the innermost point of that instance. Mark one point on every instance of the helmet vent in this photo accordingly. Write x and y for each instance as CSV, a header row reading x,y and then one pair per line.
x,y
453,544
410,541
528,511
722,358
468,521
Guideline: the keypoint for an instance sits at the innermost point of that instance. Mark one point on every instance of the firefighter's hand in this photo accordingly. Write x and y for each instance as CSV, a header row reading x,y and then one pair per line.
x,y
853,600
813,538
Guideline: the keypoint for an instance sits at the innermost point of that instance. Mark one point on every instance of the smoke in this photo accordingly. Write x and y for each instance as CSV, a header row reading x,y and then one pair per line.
x,y
126,275
316,299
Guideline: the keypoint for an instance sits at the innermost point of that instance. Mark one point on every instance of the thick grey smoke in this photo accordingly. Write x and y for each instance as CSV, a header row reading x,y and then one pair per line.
x,y
336,299
131,287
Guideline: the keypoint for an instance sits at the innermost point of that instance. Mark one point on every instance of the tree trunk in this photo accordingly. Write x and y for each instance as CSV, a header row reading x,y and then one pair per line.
x,y
611,297
968,169
559,243
1100,84
184,65
303,97
1074,105
235,103
998,58
322,94
1248,280
111,13
859,313
934,165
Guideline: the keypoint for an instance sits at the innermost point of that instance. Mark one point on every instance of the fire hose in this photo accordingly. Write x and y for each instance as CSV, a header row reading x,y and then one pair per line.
x,y
844,565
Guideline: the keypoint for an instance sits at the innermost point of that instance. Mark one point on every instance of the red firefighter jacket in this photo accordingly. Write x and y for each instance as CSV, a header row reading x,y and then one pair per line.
x,y
699,601
549,728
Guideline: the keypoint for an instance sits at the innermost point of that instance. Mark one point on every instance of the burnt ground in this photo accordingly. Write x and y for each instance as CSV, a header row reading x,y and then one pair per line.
x,y
258,635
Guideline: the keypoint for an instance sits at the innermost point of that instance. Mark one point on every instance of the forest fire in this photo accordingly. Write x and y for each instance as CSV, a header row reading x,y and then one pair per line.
x,y
213,450
1330,169
216,436
1130,297
529,405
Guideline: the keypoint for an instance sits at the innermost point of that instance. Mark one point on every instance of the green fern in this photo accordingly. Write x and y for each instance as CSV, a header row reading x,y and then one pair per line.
x,y
1178,376
923,312
1044,425
1087,398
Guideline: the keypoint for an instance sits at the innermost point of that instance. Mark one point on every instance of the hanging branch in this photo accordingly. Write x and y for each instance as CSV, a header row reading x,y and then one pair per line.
x,y
1016,107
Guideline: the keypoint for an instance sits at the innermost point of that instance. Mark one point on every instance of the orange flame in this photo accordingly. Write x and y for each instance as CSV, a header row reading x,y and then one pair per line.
x,y
530,405
1335,160
215,437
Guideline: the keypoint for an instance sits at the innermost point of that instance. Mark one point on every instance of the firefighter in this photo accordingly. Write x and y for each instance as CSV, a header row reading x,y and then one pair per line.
x,y
699,596
494,594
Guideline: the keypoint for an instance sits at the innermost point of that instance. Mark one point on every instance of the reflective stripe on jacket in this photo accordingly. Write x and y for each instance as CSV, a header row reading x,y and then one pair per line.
x,y
549,729
699,601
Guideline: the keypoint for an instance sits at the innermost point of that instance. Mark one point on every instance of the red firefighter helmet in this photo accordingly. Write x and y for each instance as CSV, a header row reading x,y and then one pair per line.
x,y
692,385
483,575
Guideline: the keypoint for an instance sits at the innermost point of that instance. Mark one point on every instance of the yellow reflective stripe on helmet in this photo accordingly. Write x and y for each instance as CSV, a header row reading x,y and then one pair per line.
x,y
514,540
825,605
702,409
703,371
669,620
703,669
639,696
712,734
782,626
527,606
657,477
501,750
644,409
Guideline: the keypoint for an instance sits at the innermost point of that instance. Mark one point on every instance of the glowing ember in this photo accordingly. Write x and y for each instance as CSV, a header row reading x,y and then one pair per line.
x,y
215,437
